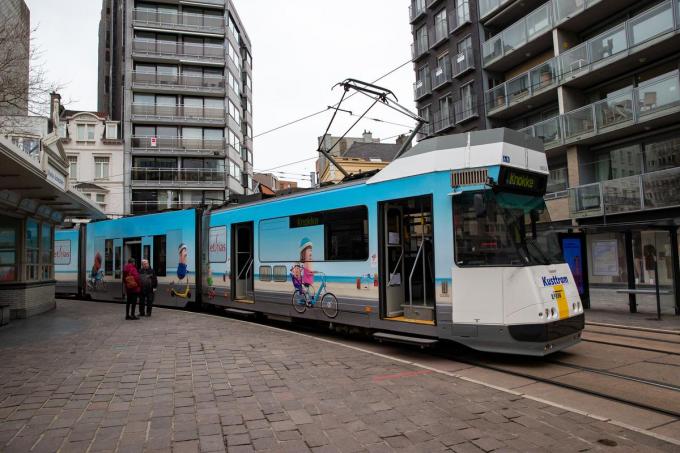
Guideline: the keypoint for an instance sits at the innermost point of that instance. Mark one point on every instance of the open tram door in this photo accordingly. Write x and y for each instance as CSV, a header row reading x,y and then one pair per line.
x,y
242,259
407,289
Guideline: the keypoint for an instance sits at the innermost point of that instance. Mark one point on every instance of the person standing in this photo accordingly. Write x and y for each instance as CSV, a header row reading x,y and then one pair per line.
x,y
149,284
133,288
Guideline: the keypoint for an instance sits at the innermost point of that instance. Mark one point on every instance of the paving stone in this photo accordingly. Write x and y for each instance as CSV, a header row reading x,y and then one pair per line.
x,y
198,383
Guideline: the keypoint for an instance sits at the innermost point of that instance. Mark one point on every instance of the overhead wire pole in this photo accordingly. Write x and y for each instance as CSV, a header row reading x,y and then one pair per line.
x,y
377,94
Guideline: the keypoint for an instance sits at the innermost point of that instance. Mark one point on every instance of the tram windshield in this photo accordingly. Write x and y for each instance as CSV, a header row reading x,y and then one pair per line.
x,y
503,229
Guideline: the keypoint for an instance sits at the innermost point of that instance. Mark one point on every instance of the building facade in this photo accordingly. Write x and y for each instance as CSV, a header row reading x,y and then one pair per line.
x,y
95,158
359,155
448,87
178,77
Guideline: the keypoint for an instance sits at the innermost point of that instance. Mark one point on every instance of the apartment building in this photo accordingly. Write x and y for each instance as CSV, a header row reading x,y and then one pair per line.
x,y
448,89
178,77
598,81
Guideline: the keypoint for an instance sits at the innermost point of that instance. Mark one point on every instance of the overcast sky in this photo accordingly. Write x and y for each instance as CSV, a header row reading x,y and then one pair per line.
x,y
301,48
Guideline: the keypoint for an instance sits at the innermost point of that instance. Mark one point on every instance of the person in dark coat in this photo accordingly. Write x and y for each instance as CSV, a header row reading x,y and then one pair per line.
x,y
133,288
149,285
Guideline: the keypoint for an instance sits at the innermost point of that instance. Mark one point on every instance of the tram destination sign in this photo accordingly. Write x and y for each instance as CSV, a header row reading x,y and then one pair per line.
x,y
522,181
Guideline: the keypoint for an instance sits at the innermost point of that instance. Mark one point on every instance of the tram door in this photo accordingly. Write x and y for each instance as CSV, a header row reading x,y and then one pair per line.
x,y
133,249
407,260
242,261
393,253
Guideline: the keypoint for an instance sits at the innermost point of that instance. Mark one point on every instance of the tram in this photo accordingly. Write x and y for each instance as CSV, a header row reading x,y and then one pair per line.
x,y
449,241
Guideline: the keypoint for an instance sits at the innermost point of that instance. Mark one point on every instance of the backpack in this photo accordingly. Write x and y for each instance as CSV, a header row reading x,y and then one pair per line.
x,y
130,282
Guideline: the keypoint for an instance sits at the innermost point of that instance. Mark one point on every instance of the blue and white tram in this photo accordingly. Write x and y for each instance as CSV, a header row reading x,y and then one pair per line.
x,y
443,243
446,242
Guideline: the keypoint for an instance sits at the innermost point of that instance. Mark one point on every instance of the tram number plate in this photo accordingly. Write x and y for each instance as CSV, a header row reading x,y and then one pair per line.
x,y
561,298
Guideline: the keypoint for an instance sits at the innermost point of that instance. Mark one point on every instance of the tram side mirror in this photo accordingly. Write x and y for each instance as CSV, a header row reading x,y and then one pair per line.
x,y
479,205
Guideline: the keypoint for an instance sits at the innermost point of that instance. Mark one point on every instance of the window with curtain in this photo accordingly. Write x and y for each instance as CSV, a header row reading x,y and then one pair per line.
x,y
101,168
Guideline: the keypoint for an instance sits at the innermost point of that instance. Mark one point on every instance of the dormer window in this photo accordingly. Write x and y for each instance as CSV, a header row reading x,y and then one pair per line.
x,y
111,131
85,133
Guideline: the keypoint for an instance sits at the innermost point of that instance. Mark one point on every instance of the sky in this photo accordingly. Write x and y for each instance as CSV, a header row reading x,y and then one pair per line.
x,y
301,49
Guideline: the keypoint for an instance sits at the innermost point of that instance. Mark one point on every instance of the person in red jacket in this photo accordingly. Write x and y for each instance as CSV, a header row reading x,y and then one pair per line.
x,y
133,287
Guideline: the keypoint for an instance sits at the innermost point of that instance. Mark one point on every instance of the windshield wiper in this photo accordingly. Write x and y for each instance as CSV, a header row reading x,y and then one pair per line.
x,y
543,256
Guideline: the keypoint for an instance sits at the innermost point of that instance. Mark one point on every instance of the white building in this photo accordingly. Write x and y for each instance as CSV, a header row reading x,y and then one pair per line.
x,y
96,158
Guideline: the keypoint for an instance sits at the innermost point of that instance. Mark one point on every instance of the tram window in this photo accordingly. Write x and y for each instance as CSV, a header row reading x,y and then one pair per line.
x,y
345,232
108,257
159,254
265,273
280,273
500,229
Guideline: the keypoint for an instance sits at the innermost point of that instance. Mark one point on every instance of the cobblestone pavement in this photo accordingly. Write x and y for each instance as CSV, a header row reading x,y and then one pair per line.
x,y
83,379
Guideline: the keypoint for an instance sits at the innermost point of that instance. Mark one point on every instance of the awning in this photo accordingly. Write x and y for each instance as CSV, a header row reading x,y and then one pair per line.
x,y
27,187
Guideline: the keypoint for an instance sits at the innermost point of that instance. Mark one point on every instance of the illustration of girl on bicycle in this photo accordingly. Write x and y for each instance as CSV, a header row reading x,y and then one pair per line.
x,y
96,280
306,247
182,275
302,276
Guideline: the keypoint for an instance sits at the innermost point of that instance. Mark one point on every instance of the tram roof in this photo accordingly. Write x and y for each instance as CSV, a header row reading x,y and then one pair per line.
x,y
475,149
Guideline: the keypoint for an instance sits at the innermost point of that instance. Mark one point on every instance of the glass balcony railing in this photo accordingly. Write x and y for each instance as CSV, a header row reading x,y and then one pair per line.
x,y
463,62
655,190
180,176
647,25
422,87
441,74
173,19
466,108
142,207
178,144
566,9
518,34
486,7
178,49
654,98
180,81
523,87
178,112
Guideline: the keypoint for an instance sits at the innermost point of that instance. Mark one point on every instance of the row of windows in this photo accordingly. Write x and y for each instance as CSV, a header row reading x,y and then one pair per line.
x,y
171,101
205,133
37,261
101,167
86,132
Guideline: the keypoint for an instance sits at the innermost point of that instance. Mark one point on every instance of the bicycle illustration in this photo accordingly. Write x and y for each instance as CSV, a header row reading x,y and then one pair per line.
x,y
96,282
305,297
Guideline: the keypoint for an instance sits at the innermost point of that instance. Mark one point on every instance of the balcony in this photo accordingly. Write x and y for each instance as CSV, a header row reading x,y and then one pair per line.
x,y
531,34
177,177
487,7
656,103
466,109
431,3
142,17
143,207
422,87
441,75
176,50
419,48
178,145
178,82
645,192
442,121
416,10
464,62
649,35
536,85
173,113
440,33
